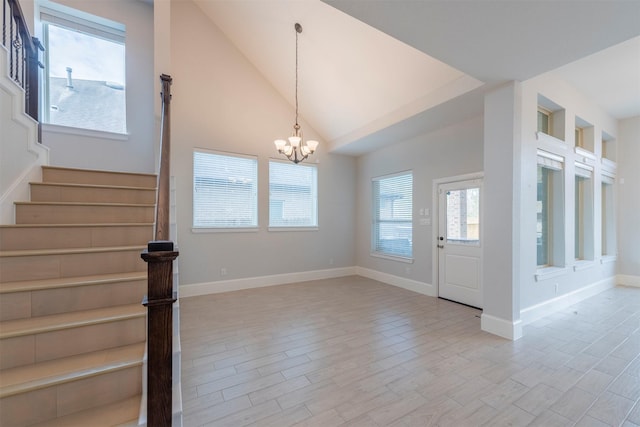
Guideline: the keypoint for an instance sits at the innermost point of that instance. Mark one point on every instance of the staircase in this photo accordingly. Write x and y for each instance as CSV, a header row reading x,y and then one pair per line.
x,y
72,327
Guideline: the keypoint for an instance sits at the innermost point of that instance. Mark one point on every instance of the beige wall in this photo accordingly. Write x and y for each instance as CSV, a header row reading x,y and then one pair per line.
x,y
221,102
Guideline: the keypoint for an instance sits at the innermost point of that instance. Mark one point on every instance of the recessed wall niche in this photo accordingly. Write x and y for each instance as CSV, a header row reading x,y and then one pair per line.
x,y
584,135
551,118
608,147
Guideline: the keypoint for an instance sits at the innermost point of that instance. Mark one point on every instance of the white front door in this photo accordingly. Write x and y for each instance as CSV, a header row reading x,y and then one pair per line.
x,y
459,242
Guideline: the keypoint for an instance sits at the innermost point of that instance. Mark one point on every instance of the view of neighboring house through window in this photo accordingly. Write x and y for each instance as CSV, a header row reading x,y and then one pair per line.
x,y
608,217
84,85
392,226
583,213
293,195
225,190
550,213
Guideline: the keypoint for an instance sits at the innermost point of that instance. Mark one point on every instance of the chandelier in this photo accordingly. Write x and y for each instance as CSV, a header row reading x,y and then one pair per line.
x,y
295,147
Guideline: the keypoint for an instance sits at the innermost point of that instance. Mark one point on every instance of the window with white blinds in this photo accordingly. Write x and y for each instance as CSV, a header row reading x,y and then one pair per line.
x,y
392,226
225,190
293,195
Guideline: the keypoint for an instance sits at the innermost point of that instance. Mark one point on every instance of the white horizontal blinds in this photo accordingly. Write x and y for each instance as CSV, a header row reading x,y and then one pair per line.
x,y
110,30
550,161
393,215
293,195
583,171
225,190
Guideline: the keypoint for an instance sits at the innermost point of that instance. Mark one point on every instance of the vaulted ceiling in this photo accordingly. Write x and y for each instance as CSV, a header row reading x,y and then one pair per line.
x,y
378,71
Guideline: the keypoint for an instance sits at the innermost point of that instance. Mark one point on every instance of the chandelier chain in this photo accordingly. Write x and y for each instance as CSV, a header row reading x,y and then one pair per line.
x,y
296,28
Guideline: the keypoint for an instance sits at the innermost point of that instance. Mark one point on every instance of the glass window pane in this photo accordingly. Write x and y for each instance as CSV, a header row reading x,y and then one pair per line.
x,y
463,215
86,80
293,195
543,216
393,215
225,191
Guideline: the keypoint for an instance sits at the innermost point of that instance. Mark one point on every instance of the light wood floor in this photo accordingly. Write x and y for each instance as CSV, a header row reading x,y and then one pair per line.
x,y
352,351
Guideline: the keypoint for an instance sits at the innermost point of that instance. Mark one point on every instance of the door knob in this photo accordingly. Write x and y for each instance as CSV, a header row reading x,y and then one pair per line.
x,y
441,246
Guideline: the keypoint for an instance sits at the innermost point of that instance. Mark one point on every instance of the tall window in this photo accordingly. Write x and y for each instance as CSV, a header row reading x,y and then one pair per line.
x,y
84,85
550,217
293,195
583,213
392,228
225,190
608,217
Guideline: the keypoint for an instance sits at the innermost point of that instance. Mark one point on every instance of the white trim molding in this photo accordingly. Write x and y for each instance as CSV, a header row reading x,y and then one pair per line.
x,y
626,280
401,282
538,311
511,330
197,289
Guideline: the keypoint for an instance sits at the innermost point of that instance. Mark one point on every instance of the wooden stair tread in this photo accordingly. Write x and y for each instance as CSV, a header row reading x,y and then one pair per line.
x,y
121,414
103,224
98,171
59,371
65,251
54,322
135,205
97,186
68,282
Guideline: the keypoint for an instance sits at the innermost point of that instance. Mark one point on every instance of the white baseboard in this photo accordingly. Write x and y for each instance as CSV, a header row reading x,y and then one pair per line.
x,y
262,281
538,311
626,280
501,327
401,282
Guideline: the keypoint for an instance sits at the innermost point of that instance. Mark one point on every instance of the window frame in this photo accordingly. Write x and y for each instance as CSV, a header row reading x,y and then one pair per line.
x,y
584,213
555,253
375,250
608,224
226,228
314,225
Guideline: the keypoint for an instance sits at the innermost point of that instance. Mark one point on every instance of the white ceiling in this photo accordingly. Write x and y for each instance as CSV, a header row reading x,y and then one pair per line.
x,y
361,89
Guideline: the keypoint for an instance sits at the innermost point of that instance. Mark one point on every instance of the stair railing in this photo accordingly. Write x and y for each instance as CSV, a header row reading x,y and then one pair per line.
x,y
159,256
24,54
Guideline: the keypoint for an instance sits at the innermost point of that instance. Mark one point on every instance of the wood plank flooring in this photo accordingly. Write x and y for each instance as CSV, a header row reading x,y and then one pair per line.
x,y
356,352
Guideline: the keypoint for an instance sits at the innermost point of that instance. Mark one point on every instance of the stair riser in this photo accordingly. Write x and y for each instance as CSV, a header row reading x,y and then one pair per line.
x,y
55,193
72,176
45,237
25,350
15,269
22,305
79,214
60,400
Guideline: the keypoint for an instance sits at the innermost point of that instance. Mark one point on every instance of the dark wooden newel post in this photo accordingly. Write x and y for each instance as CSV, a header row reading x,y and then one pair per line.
x,y
159,302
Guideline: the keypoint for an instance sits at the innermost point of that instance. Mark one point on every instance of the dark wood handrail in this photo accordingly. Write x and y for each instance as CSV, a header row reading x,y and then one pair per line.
x,y
159,257
24,53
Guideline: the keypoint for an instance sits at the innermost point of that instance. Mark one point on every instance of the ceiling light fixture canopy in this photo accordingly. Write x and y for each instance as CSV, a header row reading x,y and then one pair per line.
x,y
295,147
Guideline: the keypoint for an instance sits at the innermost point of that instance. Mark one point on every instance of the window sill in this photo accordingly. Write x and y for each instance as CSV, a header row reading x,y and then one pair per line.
x,y
293,228
50,128
583,264
199,230
398,258
551,142
607,259
546,273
